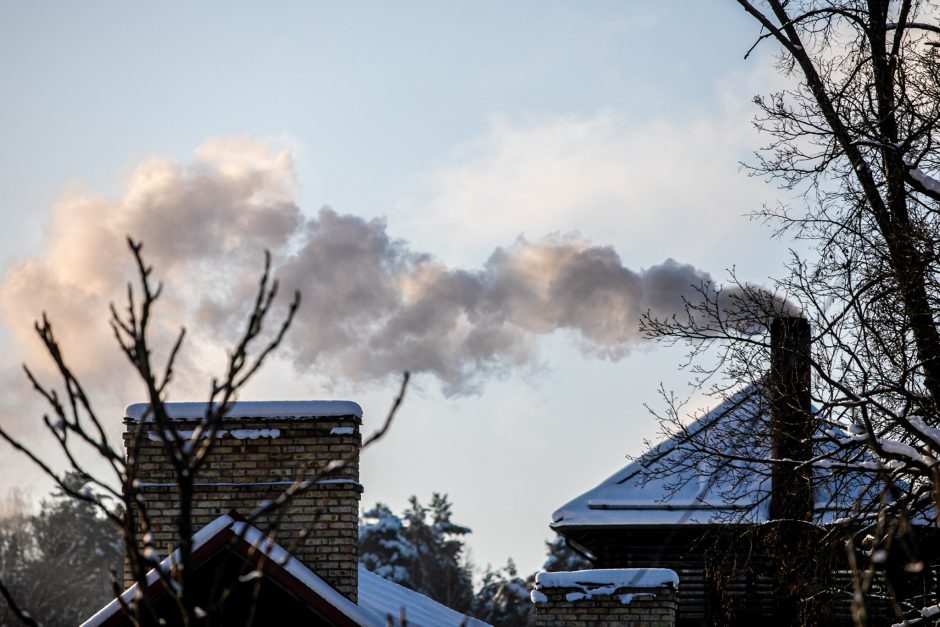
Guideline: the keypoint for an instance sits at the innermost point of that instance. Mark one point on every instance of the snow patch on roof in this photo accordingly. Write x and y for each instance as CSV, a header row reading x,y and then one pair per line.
x,y
664,488
253,409
382,598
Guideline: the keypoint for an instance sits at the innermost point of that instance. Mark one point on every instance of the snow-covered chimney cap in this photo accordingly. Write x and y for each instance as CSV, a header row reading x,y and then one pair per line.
x,y
265,410
610,578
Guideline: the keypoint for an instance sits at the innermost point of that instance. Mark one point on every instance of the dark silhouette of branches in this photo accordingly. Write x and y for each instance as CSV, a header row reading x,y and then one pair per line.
x,y
73,422
853,138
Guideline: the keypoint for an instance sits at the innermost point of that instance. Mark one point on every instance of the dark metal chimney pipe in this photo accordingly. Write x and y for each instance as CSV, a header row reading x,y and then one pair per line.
x,y
791,420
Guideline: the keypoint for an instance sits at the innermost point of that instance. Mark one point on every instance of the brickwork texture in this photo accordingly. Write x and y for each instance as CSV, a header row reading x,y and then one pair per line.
x,y
321,525
648,607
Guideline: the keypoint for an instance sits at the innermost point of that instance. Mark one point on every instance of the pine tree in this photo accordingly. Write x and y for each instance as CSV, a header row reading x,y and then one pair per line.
x,y
562,557
423,549
503,599
383,549
57,563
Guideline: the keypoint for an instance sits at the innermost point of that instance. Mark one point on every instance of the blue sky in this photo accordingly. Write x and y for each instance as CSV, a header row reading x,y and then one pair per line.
x,y
464,126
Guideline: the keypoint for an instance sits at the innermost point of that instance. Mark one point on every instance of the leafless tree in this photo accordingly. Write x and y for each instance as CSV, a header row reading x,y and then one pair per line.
x,y
853,139
74,423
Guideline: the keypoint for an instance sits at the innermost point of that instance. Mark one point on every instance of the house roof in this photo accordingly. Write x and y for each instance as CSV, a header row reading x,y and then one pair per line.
x,y
382,598
711,473
263,410
378,598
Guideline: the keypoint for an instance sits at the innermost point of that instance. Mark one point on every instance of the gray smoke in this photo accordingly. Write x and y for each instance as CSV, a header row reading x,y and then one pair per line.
x,y
204,226
372,306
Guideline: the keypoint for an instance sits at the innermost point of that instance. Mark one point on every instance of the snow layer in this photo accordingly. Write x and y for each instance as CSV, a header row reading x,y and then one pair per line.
x,y
930,183
254,434
587,584
609,578
267,410
239,434
663,488
382,598
303,574
342,430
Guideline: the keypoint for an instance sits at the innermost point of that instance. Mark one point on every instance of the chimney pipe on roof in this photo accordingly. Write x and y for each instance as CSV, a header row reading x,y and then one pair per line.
x,y
791,418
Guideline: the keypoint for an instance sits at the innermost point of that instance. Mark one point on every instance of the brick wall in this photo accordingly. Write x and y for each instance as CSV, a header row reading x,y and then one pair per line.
x,y
320,527
605,606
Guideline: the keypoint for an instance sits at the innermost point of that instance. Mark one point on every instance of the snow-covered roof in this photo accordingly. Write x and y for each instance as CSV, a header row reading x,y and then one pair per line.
x,y
673,485
265,410
199,539
378,598
260,541
382,598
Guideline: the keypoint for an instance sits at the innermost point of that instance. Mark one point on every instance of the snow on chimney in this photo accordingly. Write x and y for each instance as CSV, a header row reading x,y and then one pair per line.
x,y
790,418
641,597
261,449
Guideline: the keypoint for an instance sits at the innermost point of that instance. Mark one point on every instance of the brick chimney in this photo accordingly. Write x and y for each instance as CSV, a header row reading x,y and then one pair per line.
x,y
791,499
791,420
638,597
261,448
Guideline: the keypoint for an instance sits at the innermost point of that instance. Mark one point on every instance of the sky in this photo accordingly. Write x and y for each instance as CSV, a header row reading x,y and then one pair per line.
x,y
486,193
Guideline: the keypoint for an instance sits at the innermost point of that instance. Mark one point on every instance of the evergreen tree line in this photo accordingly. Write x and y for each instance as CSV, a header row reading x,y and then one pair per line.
x,y
423,549
57,562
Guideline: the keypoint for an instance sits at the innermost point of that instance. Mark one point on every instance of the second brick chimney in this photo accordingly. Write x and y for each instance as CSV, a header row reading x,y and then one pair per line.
x,y
791,419
791,498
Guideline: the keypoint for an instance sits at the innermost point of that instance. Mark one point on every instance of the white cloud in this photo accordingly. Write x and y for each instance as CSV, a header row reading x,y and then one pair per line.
x,y
669,185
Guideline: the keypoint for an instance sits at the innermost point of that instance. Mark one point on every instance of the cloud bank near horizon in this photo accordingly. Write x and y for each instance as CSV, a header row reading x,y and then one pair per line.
x,y
373,305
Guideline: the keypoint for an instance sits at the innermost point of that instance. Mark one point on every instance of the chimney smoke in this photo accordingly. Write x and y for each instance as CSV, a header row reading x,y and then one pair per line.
x,y
374,305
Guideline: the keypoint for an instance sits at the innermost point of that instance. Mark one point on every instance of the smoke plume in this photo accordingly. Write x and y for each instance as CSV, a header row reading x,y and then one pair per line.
x,y
203,225
372,304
